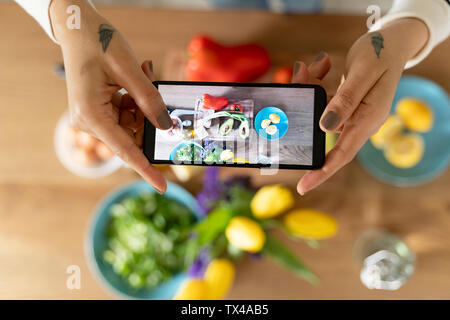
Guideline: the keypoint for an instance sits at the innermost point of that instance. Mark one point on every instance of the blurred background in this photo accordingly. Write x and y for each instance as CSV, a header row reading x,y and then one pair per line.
x,y
49,191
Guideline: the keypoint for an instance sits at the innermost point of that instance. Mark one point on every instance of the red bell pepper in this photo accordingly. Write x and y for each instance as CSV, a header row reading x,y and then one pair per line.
x,y
211,61
236,107
282,75
214,103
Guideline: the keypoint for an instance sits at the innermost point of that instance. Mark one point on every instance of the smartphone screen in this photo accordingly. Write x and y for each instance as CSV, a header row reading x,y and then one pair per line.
x,y
239,124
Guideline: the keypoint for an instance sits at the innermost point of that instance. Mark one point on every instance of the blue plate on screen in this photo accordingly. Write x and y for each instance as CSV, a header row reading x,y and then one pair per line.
x,y
437,148
97,242
282,126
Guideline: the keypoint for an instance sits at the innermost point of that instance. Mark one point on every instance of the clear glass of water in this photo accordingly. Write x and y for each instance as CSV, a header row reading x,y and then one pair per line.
x,y
386,260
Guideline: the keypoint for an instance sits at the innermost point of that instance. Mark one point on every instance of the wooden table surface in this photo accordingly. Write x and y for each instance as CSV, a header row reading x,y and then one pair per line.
x,y
45,210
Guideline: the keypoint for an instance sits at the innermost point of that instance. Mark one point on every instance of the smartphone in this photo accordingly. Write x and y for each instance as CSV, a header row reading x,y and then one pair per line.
x,y
254,125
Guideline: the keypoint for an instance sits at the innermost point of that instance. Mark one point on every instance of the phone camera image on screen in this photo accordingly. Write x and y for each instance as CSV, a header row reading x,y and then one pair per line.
x,y
247,125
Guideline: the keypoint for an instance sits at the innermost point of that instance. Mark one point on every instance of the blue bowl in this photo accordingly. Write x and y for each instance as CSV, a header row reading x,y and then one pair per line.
x,y
181,144
437,150
283,126
97,242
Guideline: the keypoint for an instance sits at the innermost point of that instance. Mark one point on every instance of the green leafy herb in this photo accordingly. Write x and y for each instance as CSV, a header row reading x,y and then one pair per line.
x,y
213,225
148,239
278,252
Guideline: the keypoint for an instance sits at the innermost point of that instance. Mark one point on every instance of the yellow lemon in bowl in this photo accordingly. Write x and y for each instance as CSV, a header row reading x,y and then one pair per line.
x,y
390,128
310,224
405,150
274,118
265,123
416,115
245,234
270,201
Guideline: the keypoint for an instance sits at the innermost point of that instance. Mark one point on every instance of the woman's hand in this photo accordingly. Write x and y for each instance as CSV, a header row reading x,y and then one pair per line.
x,y
361,105
98,63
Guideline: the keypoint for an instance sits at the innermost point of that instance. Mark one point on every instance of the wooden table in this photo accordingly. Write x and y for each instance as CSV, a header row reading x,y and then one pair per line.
x,y
45,210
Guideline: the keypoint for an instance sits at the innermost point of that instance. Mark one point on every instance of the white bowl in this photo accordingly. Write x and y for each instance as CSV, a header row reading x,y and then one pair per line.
x,y
65,152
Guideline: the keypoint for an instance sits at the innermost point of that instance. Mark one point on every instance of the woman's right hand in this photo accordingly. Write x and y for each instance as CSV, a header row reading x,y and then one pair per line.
x,y
98,63
360,106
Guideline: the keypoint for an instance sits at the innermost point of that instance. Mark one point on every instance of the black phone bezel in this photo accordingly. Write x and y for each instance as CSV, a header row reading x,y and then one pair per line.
x,y
320,100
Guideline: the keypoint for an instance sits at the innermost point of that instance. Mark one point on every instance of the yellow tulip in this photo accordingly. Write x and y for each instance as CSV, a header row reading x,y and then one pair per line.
x,y
193,289
271,201
245,234
219,276
310,224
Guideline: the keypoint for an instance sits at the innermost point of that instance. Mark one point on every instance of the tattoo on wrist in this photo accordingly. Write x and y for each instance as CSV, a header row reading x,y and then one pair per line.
x,y
377,43
105,32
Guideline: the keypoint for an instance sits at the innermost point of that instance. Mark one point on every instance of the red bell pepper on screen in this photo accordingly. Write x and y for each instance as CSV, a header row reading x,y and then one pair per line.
x,y
214,103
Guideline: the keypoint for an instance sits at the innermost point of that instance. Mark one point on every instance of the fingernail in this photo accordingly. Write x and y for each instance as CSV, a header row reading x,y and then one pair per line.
x,y
301,192
150,65
164,120
330,120
319,56
296,67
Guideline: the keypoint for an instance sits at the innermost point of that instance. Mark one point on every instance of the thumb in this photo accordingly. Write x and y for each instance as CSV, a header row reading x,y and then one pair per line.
x,y
300,73
147,67
138,83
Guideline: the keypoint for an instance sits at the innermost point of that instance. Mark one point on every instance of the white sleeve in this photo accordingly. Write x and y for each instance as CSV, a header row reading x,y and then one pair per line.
x,y
434,13
39,10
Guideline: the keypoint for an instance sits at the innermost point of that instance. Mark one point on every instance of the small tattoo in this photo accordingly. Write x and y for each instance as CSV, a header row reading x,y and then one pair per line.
x,y
105,32
377,42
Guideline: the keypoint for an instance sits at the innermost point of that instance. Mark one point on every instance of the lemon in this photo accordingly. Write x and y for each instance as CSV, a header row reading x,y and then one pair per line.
x,y
265,123
193,289
245,234
274,118
219,276
272,129
310,224
416,115
270,201
240,160
392,126
405,150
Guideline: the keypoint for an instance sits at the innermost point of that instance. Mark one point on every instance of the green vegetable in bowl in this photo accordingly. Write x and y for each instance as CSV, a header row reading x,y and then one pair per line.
x,y
188,152
148,236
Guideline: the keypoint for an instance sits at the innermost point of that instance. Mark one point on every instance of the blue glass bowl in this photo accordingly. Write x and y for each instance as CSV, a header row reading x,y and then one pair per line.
x,y
437,147
97,242
282,127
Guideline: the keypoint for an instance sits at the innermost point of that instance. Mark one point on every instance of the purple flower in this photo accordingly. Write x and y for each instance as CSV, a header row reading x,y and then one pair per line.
x,y
255,256
212,190
200,264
